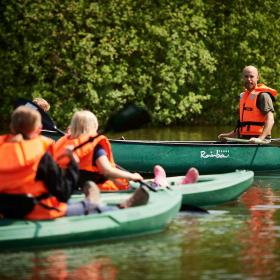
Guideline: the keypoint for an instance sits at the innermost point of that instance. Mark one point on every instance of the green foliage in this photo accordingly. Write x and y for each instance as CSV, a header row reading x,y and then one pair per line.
x,y
181,59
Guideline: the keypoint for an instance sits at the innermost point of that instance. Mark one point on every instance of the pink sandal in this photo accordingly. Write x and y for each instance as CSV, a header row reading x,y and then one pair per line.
x,y
160,176
191,176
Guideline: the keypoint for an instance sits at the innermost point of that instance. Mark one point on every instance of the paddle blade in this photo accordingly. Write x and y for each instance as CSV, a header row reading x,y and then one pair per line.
x,y
128,118
193,208
275,142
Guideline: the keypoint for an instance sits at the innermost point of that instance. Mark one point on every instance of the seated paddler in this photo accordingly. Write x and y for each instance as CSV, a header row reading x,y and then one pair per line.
x,y
95,154
256,111
33,186
96,157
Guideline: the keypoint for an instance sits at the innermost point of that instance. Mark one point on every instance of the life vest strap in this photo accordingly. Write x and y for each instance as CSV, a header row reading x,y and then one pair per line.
x,y
247,108
242,124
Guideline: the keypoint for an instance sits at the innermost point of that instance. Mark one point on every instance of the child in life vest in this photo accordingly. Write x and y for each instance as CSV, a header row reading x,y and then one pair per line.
x,y
96,157
27,168
95,154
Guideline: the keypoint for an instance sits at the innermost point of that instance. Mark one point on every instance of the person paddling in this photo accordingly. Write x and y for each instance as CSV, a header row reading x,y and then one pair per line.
x,y
96,157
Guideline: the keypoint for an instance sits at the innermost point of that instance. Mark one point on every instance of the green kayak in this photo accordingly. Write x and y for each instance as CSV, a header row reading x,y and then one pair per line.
x,y
161,208
214,189
209,157
211,189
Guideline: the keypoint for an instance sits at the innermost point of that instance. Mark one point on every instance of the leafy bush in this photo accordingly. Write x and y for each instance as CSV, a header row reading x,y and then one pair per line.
x,y
180,59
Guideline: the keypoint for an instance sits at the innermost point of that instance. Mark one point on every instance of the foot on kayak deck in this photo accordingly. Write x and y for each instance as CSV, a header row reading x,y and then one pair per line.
x,y
140,197
92,192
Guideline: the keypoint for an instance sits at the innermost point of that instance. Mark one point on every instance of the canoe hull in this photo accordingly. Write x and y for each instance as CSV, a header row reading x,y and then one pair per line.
x,y
153,217
208,157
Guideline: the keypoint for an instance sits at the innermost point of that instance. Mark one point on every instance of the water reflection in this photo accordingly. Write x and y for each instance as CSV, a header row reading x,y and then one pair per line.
x,y
179,133
234,241
59,265
259,240
50,267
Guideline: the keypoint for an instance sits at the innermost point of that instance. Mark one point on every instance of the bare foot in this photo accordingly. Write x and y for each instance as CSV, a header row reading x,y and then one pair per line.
x,y
139,197
92,192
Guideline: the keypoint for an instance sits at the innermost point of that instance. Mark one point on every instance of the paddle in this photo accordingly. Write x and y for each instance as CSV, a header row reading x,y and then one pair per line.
x,y
275,142
193,208
130,117
127,118
238,140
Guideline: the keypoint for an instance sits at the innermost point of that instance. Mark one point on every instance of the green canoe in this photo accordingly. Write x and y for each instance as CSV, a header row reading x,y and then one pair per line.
x,y
209,157
214,189
161,208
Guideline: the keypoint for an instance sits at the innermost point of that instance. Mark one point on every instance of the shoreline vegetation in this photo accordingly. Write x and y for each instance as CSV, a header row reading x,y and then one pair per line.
x,y
181,60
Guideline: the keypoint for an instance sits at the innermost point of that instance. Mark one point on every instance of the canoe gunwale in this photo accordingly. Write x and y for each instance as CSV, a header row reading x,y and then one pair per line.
x,y
188,143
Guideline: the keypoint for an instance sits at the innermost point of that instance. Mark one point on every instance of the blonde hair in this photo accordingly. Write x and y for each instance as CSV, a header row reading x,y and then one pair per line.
x,y
83,122
25,120
42,103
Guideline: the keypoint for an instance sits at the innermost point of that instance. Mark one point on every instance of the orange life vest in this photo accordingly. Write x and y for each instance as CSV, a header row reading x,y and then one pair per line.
x,y
251,118
18,167
85,154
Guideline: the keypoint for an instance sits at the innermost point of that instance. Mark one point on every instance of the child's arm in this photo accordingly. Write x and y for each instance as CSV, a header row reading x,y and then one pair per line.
x,y
112,172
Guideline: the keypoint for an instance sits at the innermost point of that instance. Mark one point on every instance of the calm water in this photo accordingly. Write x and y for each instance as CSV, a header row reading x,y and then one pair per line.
x,y
239,240
181,133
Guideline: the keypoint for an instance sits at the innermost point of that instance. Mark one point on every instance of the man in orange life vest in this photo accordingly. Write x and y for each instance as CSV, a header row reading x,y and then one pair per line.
x,y
27,168
255,109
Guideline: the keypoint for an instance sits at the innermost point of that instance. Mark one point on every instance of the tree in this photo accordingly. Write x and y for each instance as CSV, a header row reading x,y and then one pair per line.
x,y
100,55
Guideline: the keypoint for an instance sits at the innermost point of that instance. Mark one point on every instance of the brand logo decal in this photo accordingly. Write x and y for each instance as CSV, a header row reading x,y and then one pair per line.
x,y
215,154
